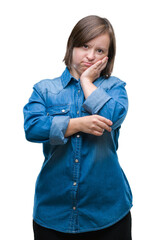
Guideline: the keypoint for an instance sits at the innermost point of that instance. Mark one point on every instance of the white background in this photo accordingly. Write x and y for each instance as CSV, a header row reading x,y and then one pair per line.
x,y
32,45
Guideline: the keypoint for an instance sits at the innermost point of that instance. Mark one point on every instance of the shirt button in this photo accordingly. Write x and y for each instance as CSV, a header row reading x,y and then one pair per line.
x,y
77,112
47,114
63,110
74,208
78,91
76,160
78,136
74,183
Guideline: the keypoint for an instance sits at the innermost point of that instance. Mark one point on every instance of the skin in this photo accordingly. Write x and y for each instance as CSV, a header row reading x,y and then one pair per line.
x,y
87,63
89,60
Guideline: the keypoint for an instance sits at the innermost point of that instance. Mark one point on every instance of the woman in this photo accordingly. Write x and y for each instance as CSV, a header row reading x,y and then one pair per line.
x,y
81,191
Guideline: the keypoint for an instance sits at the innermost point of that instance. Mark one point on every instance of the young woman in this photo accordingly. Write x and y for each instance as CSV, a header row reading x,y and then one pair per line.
x,y
81,191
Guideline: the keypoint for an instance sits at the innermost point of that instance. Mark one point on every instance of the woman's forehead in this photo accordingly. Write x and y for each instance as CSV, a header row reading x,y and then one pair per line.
x,y
103,40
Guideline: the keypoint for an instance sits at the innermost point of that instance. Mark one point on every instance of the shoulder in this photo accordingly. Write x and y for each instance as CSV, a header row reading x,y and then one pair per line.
x,y
112,82
49,85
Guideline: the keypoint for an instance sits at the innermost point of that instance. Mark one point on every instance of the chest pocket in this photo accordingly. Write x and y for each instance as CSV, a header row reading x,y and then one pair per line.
x,y
59,110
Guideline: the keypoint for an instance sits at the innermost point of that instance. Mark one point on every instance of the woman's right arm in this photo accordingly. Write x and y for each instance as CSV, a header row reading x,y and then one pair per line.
x,y
40,127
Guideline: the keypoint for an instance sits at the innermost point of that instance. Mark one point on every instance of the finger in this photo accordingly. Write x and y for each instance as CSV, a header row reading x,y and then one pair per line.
x,y
97,133
99,128
105,59
100,65
97,64
105,120
103,63
106,127
100,62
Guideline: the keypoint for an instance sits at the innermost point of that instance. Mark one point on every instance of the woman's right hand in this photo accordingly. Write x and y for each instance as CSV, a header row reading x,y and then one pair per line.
x,y
94,124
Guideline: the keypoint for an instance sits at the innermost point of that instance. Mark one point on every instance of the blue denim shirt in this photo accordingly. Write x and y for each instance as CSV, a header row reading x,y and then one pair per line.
x,y
81,186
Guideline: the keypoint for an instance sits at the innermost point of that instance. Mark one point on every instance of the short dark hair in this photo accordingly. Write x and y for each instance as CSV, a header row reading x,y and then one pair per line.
x,y
87,29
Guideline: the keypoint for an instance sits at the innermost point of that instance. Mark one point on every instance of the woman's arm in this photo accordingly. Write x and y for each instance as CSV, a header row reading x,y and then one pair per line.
x,y
41,127
93,124
88,76
111,103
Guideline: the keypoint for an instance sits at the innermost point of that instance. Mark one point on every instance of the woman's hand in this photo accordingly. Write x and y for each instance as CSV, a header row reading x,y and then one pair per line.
x,y
95,124
93,72
90,74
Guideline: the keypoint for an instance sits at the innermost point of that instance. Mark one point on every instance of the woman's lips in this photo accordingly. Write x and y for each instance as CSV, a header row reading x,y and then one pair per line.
x,y
86,64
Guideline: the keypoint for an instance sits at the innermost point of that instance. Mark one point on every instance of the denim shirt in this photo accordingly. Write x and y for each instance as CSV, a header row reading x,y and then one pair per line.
x,y
81,186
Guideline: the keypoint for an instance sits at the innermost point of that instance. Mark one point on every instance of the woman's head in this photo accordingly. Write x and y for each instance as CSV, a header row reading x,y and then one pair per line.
x,y
87,30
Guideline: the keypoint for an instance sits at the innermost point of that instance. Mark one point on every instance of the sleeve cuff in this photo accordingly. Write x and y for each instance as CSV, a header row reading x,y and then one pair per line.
x,y
58,129
96,100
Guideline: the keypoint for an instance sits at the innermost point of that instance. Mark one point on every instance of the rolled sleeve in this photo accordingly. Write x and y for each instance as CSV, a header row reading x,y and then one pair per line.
x,y
58,130
40,127
111,103
96,100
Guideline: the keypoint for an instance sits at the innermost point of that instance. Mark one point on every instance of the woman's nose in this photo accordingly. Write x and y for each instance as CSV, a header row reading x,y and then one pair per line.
x,y
90,55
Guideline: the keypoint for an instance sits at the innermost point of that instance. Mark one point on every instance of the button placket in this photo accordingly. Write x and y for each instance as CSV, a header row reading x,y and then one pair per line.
x,y
78,111
74,225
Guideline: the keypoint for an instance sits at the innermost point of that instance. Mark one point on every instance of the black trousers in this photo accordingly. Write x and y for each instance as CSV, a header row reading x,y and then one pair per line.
x,y
119,231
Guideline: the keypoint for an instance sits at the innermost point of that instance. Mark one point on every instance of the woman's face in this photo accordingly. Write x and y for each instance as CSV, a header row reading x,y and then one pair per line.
x,y
85,56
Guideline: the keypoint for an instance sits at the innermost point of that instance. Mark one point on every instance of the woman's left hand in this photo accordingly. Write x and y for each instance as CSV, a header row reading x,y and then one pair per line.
x,y
93,72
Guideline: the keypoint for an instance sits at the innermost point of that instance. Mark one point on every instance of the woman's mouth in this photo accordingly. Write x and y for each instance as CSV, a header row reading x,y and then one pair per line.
x,y
86,64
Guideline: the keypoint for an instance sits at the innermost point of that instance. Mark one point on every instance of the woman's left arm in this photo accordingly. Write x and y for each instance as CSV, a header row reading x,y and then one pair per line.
x,y
111,103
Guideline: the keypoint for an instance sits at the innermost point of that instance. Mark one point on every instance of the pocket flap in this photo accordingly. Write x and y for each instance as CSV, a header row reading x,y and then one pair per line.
x,y
63,109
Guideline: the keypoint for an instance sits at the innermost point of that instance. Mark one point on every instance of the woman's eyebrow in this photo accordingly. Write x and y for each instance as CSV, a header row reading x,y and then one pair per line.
x,y
104,49
98,47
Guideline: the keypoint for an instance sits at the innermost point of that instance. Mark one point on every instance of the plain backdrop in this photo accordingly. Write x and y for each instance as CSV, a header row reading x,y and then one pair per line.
x,y
33,40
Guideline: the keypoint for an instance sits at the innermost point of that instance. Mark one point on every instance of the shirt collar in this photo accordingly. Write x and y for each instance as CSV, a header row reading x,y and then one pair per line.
x,y
66,77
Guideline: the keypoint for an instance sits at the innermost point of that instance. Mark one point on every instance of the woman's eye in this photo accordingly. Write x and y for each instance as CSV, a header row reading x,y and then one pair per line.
x,y
100,51
85,46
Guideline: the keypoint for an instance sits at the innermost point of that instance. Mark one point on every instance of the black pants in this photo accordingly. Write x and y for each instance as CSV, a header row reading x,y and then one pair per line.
x,y
119,231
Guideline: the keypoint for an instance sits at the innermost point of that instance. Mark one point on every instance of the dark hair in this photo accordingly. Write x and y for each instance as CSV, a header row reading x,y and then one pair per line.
x,y
85,30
